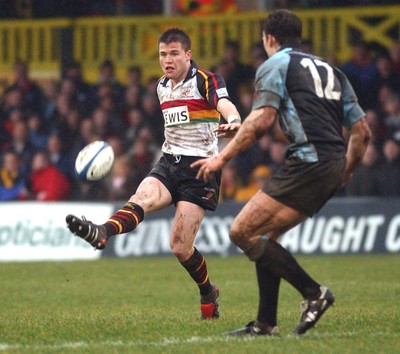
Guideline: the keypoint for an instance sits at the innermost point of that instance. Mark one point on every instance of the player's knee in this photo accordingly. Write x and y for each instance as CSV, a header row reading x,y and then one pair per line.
x,y
181,252
236,235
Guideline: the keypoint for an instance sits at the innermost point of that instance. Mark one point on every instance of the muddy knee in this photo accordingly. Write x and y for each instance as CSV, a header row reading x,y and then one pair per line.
x,y
237,236
181,252
253,247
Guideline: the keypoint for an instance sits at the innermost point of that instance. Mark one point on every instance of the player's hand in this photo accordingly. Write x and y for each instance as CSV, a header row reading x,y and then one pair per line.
x,y
207,167
227,130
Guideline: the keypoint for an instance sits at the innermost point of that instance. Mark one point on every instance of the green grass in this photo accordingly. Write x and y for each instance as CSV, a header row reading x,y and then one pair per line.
x,y
150,305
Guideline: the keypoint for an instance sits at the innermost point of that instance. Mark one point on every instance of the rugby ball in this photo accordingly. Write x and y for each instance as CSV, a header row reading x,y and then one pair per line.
x,y
94,161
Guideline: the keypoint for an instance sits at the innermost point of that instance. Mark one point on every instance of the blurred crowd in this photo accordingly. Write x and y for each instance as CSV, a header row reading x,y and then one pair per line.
x,y
42,129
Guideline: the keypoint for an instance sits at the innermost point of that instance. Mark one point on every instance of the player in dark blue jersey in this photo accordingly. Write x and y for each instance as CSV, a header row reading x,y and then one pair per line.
x,y
312,101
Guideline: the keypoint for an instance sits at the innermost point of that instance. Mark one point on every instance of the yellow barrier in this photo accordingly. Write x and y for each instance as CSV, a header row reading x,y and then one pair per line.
x,y
37,42
133,40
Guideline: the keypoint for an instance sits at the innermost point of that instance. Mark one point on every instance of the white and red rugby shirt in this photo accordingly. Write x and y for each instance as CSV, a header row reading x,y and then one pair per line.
x,y
190,115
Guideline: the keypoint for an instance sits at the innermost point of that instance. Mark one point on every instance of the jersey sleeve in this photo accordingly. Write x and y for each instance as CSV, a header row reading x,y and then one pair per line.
x,y
212,86
270,81
352,111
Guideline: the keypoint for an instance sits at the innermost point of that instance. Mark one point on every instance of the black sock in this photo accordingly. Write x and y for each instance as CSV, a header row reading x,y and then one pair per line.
x,y
268,287
280,262
196,266
124,220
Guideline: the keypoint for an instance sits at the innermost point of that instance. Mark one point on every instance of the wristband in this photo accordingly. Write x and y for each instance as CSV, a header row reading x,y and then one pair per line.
x,y
234,118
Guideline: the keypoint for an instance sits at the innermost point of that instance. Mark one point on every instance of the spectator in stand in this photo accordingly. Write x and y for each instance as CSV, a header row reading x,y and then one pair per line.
x,y
361,70
394,54
60,157
365,179
142,152
153,116
245,100
47,183
101,123
12,178
117,145
31,91
103,90
87,132
12,99
257,180
105,124
136,120
123,179
135,77
377,127
142,157
64,103
147,135
51,92
151,85
21,145
11,110
84,92
258,56
132,100
37,132
69,129
386,75
230,182
277,154
237,73
391,107
16,115
264,150
69,89
384,93
389,170
13,116
111,107
258,153
107,76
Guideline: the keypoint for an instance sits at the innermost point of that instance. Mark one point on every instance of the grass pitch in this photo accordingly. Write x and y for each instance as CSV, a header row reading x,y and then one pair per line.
x,y
150,305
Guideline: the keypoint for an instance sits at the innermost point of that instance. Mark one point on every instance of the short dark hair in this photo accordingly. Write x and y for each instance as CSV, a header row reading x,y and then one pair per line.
x,y
107,63
176,35
284,25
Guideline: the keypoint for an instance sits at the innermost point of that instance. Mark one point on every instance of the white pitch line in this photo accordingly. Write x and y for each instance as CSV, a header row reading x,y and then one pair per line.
x,y
176,341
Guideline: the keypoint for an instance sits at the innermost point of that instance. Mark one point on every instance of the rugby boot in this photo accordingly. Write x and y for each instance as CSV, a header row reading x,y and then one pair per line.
x,y
312,310
255,328
91,233
209,304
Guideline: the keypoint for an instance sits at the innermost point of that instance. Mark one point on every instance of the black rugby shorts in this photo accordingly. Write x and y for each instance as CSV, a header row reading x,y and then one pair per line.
x,y
175,173
306,187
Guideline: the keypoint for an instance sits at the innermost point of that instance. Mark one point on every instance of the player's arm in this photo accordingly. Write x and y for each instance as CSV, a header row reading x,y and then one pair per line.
x,y
359,132
254,126
232,116
360,135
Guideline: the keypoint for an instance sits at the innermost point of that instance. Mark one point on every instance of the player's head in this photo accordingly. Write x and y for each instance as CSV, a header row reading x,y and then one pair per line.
x,y
174,49
284,26
176,35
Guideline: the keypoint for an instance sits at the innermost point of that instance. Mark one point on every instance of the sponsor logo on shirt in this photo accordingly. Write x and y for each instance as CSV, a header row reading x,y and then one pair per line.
x,y
222,92
176,115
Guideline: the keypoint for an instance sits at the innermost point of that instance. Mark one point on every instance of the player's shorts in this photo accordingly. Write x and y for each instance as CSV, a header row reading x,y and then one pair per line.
x,y
306,187
175,173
